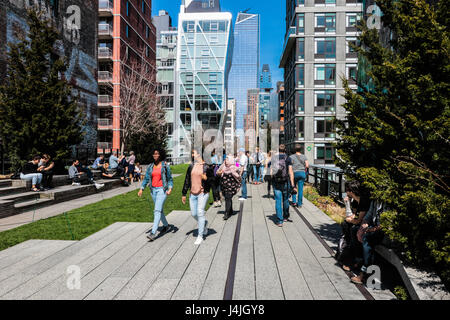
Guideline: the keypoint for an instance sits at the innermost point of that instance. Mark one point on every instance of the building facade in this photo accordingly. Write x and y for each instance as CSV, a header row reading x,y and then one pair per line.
x,y
316,55
202,69
251,119
125,34
166,53
265,79
229,138
280,93
76,21
245,65
162,22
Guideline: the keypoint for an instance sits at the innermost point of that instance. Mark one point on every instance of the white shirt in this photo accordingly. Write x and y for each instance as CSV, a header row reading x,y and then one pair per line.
x,y
243,162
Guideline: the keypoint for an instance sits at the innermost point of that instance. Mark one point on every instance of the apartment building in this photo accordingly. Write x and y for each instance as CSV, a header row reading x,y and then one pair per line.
x,y
125,34
316,55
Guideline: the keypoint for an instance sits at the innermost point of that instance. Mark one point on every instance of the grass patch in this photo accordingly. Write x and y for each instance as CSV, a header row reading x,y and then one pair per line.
x,y
97,216
326,204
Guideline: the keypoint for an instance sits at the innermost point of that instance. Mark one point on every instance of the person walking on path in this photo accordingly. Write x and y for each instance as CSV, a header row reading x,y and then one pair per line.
x,y
215,182
268,177
282,174
131,166
299,166
243,161
198,181
258,167
229,183
159,178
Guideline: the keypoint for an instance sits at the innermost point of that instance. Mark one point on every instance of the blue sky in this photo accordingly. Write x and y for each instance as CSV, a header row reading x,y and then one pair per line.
x,y
272,25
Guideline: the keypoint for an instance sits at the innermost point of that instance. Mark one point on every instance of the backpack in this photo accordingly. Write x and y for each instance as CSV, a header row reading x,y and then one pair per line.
x,y
281,175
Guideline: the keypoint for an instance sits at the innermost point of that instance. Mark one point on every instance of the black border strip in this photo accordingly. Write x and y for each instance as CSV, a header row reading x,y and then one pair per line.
x,y
360,287
229,284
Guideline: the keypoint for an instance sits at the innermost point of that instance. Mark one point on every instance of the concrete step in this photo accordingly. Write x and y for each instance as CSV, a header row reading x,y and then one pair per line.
x,y
32,204
6,191
5,183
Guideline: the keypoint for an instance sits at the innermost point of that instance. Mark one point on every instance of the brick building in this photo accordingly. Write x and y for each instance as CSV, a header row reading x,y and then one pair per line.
x,y
125,33
76,21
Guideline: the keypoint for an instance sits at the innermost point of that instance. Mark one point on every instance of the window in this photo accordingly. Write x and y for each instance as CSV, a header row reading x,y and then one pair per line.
x,y
189,26
300,75
143,7
212,77
128,8
190,38
324,128
186,120
301,23
184,52
350,52
300,101
189,78
183,64
205,52
325,48
205,64
301,128
301,48
214,39
147,32
325,74
147,51
325,101
352,72
127,31
325,22
352,21
214,26
324,154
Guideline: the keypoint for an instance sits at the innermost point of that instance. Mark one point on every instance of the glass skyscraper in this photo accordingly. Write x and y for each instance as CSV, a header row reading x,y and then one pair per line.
x,y
203,66
245,65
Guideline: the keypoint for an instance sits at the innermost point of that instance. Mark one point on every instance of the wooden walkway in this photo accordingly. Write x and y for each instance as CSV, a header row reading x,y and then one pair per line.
x,y
247,257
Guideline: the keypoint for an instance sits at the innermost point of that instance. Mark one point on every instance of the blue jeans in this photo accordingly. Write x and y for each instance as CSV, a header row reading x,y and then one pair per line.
x,y
281,191
35,178
299,181
159,196
244,185
258,172
370,240
198,204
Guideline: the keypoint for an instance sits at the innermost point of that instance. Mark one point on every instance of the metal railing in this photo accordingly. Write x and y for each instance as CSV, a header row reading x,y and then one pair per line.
x,y
104,145
105,5
329,181
104,52
104,99
104,75
105,122
105,29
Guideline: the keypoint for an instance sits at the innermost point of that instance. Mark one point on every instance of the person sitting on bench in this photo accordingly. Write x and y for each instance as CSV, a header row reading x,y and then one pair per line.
x,y
79,174
46,168
107,174
30,172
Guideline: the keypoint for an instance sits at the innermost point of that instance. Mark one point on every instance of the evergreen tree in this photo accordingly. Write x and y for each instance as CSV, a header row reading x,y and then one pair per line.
x,y
396,136
38,113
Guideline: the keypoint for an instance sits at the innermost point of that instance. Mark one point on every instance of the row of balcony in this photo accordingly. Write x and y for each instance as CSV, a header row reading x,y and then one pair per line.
x,y
105,8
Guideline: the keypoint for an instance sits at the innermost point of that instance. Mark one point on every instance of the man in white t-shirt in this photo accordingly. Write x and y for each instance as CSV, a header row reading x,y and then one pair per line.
x,y
243,161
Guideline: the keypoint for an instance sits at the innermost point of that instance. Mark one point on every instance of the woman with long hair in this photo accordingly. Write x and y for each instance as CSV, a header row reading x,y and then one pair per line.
x,y
230,183
159,178
198,180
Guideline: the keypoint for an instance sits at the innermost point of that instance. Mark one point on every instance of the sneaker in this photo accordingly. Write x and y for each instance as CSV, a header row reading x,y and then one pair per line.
x,y
76,184
219,203
358,279
151,237
205,230
242,199
99,185
166,229
198,241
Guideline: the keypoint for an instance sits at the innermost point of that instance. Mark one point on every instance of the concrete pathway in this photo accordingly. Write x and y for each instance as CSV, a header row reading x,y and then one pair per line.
x,y
246,257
